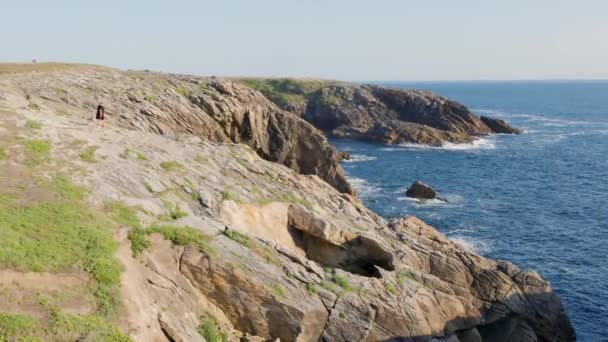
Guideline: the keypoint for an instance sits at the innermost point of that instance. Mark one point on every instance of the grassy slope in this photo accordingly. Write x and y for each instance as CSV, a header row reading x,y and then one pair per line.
x,y
45,225
284,91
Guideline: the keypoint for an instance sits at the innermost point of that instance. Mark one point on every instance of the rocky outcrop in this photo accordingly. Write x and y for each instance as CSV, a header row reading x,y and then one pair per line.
x,y
271,253
499,126
380,114
212,109
421,190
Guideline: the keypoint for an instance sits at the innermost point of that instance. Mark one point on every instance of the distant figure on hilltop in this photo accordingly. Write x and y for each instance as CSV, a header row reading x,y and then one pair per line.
x,y
101,116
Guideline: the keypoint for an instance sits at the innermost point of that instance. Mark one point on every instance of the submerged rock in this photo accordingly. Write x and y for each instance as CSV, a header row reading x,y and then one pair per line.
x,y
421,190
343,155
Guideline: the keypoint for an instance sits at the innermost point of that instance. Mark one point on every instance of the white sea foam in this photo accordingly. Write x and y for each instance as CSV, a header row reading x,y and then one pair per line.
x,y
477,144
354,158
471,244
364,189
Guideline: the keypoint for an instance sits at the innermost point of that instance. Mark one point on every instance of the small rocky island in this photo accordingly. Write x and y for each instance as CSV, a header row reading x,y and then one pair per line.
x,y
205,212
421,190
379,114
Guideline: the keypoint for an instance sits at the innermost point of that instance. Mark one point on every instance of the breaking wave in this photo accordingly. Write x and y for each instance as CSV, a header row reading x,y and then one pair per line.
x,y
359,158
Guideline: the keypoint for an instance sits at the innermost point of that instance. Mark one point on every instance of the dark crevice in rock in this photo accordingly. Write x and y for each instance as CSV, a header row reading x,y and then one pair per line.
x,y
338,249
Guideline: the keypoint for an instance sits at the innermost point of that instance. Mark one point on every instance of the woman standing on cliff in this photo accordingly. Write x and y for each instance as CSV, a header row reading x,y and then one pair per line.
x,y
101,116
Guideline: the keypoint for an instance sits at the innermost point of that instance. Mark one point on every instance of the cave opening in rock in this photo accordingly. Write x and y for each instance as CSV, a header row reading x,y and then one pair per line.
x,y
359,255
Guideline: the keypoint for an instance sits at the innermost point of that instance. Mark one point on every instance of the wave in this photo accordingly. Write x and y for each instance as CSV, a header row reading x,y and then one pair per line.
x,y
422,201
470,244
477,144
354,158
364,189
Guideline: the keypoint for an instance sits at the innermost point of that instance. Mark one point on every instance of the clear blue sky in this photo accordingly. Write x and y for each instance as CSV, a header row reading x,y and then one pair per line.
x,y
339,39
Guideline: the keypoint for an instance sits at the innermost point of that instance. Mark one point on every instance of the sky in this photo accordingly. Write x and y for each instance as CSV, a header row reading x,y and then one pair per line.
x,y
332,39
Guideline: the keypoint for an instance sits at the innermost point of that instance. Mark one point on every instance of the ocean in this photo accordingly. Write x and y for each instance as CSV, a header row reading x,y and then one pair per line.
x,y
539,200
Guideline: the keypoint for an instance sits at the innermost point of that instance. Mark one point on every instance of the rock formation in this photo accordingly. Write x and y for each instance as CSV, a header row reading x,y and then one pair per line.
x,y
379,114
421,190
269,253
212,109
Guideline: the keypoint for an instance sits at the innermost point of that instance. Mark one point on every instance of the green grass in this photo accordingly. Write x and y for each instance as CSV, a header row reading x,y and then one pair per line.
x,y
391,288
17,327
123,214
312,289
33,124
289,197
60,235
238,237
183,236
69,327
3,154
138,156
278,291
175,212
170,165
88,154
228,196
33,106
139,242
183,91
67,190
210,331
37,151
60,91
341,281
200,159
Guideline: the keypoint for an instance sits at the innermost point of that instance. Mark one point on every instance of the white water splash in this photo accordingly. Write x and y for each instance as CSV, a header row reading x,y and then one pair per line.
x,y
355,158
364,189
470,244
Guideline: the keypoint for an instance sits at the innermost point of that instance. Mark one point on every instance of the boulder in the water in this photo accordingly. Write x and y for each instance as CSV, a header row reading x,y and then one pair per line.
x,y
343,155
421,190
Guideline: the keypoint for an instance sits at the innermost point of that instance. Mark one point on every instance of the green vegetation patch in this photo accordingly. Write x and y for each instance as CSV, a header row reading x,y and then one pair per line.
x,y
67,327
179,236
17,327
128,152
312,289
175,212
88,154
228,196
170,165
391,288
289,197
58,236
33,124
67,190
278,291
37,151
183,91
123,214
3,154
238,237
210,331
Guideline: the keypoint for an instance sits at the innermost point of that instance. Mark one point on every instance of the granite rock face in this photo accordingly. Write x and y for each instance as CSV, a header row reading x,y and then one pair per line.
x,y
212,109
379,114
286,255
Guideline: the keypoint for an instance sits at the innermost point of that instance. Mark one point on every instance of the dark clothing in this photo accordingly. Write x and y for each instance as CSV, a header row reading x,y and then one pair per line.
x,y
101,113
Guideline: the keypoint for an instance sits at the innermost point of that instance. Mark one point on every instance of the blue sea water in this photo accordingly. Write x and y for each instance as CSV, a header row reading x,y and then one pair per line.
x,y
539,199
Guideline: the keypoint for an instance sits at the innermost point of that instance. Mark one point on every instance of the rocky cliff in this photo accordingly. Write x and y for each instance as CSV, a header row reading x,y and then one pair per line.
x,y
379,114
213,109
214,242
